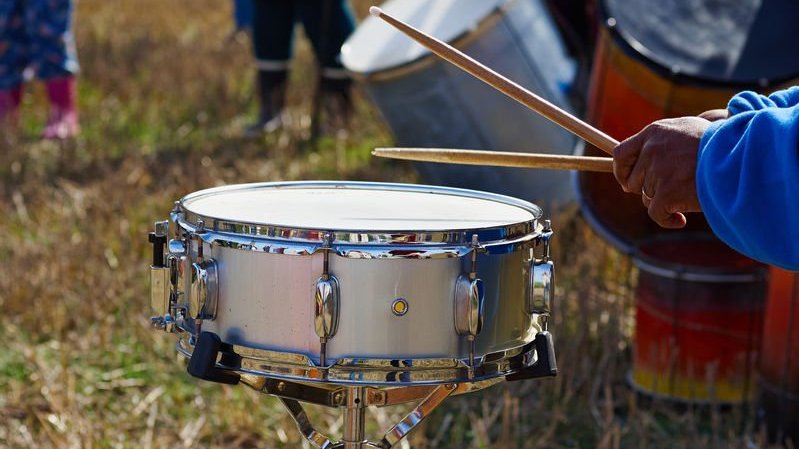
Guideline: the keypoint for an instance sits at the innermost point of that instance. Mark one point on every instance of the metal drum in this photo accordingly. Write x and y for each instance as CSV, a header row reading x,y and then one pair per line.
x,y
429,103
355,283
698,313
778,408
669,58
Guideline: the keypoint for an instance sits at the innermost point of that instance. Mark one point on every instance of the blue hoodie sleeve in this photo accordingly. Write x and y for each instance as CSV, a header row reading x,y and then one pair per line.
x,y
747,177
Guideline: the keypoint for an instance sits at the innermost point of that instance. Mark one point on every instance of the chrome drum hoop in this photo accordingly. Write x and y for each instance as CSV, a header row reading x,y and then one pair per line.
x,y
373,372
359,244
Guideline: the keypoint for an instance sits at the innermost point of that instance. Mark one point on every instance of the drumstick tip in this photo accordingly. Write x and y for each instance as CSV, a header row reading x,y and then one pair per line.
x,y
375,11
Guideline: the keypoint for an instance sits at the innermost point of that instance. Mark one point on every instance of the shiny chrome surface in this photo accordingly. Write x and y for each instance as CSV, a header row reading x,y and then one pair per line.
x,y
265,303
355,400
294,367
204,292
354,428
355,243
541,288
162,228
177,247
333,395
469,306
412,419
326,308
317,439
353,334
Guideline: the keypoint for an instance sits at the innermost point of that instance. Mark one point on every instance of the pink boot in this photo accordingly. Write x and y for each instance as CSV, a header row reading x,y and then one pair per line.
x,y
63,122
9,106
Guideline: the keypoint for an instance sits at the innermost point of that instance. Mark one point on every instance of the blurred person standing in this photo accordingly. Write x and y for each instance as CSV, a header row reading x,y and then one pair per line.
x,y
327,23
35,36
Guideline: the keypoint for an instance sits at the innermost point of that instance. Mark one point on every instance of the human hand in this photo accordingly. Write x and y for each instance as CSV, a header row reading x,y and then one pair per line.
x,y
659,163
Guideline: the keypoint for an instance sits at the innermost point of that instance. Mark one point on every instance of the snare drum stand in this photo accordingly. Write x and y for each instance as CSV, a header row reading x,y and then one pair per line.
x,y
354,401
536,360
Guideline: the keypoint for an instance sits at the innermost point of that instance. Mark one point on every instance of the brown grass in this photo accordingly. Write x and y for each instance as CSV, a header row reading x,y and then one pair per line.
x,y
162,97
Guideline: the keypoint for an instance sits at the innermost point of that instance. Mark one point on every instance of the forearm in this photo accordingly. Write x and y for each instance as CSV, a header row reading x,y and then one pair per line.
x,y
747,177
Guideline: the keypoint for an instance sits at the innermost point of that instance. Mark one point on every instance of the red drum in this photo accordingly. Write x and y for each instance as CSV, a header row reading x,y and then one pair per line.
x,y
699,311
779,360
667,58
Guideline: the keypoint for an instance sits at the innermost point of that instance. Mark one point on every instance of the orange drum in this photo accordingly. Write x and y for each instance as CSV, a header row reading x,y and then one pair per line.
x,y
668,58
779,360
699,311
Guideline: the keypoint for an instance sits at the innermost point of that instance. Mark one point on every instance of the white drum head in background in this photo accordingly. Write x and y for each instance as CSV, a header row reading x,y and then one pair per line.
x,y
375,46
429,103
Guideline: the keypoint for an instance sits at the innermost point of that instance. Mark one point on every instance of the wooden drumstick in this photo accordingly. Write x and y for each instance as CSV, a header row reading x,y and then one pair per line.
x,y
573,124
499,158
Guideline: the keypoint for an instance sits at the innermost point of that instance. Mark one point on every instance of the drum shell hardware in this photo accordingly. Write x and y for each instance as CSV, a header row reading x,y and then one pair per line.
x,y
354,306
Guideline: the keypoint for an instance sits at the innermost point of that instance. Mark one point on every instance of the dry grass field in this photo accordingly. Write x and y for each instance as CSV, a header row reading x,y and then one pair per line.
x,y
163,94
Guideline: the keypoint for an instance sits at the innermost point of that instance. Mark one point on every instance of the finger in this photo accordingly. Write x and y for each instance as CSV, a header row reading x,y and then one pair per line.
x,y
714,114
638,174
625,156
666,215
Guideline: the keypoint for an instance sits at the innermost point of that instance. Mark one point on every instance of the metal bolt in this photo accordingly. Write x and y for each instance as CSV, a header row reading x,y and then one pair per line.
x,y
161,228
158,322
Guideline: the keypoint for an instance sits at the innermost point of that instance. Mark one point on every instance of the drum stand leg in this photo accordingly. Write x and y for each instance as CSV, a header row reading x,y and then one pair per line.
x,y
307,429
355,419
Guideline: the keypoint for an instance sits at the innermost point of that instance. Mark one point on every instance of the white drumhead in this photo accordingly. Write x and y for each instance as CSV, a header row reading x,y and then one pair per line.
x,y
377,46
342,207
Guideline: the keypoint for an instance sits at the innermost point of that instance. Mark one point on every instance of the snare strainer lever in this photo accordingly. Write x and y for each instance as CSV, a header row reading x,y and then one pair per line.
x,y
203,361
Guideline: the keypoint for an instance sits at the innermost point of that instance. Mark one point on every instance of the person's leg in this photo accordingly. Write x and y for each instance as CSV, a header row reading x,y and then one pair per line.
x,y
13,59
273,26
54,61
328,23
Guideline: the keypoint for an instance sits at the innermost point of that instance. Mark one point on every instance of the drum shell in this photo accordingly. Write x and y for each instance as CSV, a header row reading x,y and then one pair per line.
x,y
779,367
698,327
266,301
431,103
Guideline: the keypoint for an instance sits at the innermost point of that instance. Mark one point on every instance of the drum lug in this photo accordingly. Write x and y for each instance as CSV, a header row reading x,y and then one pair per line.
x,y
540,287
469,299
327,307
540,274
202,363
204,293
177,247
326,304
469,303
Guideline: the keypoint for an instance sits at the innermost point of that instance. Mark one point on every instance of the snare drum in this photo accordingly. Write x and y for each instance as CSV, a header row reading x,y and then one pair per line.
x,y
350,282
427,102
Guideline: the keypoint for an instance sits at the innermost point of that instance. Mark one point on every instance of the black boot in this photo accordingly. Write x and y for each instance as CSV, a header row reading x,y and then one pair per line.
x,y
272,99
336,105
